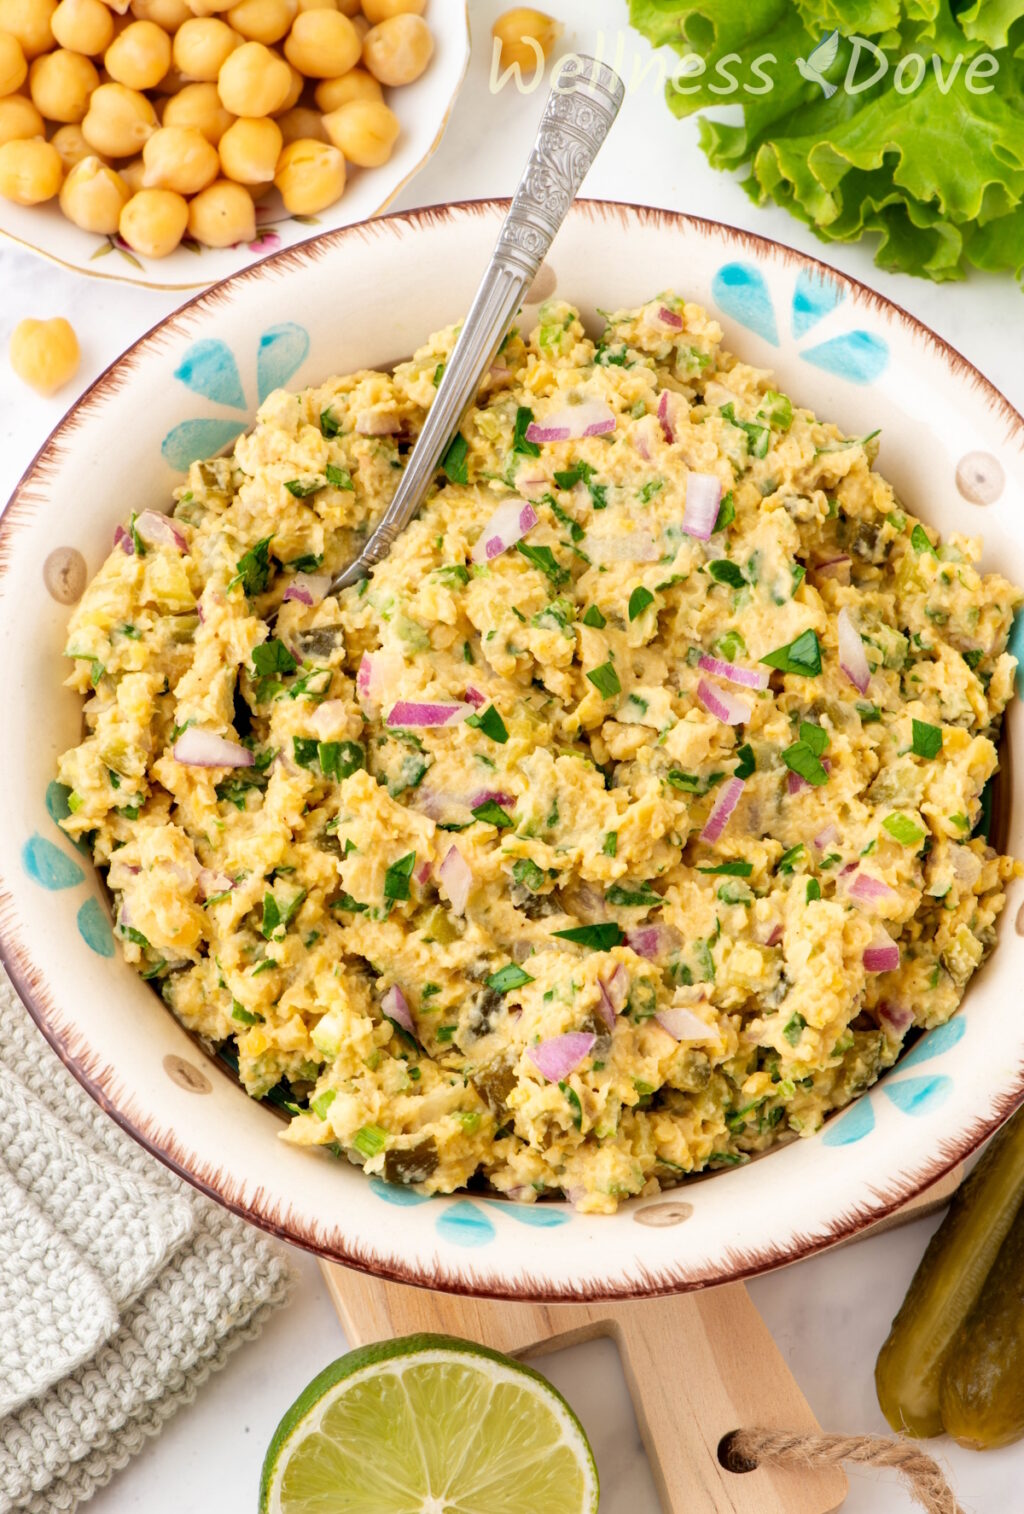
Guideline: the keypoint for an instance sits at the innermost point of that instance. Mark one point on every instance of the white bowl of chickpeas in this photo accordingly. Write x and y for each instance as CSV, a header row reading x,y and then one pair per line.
x,y
136,134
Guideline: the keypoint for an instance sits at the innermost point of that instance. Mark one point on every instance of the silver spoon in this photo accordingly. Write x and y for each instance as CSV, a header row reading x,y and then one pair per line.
x,y
584,101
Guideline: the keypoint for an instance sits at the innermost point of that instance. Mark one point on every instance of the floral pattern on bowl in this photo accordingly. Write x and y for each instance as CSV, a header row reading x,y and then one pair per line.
x,y
948,439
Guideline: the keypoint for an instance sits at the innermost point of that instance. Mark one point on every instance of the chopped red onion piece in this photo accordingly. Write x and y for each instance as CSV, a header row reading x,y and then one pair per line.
x,y
896,1015
640,443
377,673
123,539
592,417
378,423
727,707
422,873
774,936
308,588
396,1007
683,1025
205,749
749,678
509,524
614,994
160,531
826,837
531,485
867,887
852,657
703,497
475,697
457,877
882,956
653,941
561,1055
409,713
670,318
728,798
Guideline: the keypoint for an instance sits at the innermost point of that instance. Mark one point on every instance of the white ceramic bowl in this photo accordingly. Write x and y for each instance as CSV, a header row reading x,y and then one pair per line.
x,y
951,446
422,108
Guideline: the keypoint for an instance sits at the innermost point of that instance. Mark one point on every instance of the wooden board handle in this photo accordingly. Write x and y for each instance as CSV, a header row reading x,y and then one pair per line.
x,y
698,1366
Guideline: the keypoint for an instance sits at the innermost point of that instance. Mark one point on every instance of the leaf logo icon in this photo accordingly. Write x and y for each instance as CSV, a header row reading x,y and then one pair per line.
x,y
820,61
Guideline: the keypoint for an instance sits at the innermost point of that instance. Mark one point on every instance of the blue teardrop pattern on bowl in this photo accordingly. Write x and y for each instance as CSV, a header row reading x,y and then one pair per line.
x,y
209,368
394,1193
282,351
465,1225
191,441
94,928
857,1122
919,1096
48,866
934,1043
858,356
540,1216
815,296
741,291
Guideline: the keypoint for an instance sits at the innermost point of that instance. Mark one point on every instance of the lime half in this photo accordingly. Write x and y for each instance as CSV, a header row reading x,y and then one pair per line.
x,y
429,1425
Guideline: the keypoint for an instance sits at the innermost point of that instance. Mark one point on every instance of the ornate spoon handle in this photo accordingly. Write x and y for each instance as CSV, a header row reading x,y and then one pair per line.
x,y
584,101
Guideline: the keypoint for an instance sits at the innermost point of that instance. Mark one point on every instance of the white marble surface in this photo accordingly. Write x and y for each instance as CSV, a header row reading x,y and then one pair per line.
x,y
829,1315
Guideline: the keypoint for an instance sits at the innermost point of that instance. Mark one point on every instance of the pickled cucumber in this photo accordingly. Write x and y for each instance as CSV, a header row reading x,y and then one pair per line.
x,y
982,1390
947,1285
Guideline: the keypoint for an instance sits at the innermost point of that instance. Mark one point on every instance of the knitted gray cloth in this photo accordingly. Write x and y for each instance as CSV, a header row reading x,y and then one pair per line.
x,y
121,1289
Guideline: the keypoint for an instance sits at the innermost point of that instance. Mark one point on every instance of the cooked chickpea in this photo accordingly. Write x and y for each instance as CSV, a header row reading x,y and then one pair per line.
x,y
170,14
350,8
397,51
71,145
294,94
322,44
199,105
357,84
29,21
298,122
263,20
30,171
153,221
179,158
19,119
310,176
119,121
249,150
134,174
139,56
208,7
222,215
516,32
253,81
93,195
377,11
201,46
84,26
316,5
45,354
364,130
13,68
61,83
173,80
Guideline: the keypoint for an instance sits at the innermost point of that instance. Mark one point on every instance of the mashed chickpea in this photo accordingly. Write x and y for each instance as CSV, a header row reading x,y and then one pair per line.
x,y
622,825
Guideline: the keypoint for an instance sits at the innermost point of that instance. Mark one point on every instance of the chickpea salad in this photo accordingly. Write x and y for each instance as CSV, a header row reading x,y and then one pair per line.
x,y
623,824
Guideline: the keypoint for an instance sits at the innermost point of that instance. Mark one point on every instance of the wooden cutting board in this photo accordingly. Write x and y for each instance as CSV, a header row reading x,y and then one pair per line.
x,y
698,1366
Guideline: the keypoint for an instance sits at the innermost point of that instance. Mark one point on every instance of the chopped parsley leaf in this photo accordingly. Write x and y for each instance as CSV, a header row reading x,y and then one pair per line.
x,y
639,600
492,813
491,723
801,656
507,978
927,739
396,879
524,418
601,937
592,617
454,461
730,869
605,680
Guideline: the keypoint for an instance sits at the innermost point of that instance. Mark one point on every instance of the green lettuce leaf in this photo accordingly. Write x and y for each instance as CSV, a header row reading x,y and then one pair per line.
x,y
935,175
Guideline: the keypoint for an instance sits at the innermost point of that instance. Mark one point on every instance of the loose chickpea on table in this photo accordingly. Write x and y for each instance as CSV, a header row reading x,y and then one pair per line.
x,y
170,118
